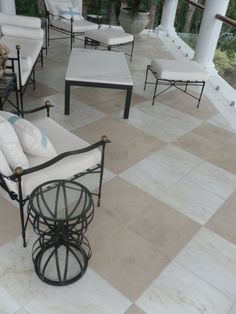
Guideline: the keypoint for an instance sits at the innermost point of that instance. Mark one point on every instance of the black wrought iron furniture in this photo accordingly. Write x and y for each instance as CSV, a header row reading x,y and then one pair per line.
x,y
75,158
175,73
72,27
8,84
24,37
60,212
110,39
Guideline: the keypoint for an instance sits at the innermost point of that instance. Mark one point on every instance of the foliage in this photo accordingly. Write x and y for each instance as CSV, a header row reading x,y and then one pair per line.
x,y
139,5
25,7
223,62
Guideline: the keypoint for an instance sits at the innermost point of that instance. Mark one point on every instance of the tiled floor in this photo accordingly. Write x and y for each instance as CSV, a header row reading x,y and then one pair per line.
x,y
164,239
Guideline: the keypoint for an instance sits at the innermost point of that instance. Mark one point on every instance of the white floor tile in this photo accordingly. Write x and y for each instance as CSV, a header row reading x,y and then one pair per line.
x,y
212,258
7,304
90,295
216,180
161,121
192,200
178,291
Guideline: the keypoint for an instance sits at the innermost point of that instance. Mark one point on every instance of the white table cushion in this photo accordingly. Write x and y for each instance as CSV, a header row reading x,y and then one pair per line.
x,y
65,168
78,26
20,20
110,36
20,31
179,70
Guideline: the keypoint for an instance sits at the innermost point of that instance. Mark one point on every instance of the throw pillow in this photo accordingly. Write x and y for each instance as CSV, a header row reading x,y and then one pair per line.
x,y
69,12
32,139
10,146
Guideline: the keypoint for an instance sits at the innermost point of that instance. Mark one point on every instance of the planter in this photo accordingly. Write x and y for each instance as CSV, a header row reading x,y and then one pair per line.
x,y
133,24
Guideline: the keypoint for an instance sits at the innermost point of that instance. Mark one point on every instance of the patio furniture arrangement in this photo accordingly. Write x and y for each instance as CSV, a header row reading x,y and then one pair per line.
x,y
110,39
65,18
24,37
96,68
176,73
60,212
33,153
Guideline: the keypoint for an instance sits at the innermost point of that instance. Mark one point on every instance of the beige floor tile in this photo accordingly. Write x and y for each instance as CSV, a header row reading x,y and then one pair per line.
x,y
213,144
41,91
121,203
128,144
186,104
134,309
9,221
223,222
159,224
128,262
139,248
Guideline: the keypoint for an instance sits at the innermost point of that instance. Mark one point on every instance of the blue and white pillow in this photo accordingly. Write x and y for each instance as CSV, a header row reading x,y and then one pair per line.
x,y
70,12
33,140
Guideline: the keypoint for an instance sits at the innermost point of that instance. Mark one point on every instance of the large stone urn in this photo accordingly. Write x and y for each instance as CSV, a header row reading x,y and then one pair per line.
x,y
4,52
133,23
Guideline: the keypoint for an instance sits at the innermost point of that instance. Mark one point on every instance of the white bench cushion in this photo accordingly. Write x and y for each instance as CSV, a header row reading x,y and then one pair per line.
x,y
20,31
110,37
179,70
30,49
78,26
20,20
65,168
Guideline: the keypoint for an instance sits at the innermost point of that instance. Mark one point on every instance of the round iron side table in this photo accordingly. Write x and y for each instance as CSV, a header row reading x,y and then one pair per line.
x,y
60,212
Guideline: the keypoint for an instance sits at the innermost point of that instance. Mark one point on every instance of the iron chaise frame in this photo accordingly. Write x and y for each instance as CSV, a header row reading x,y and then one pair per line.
x,y
173,83
15,62
20,173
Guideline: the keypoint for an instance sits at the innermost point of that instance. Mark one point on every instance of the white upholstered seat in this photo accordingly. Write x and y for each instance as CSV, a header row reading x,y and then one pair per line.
x,y
63,141
179,70
109,36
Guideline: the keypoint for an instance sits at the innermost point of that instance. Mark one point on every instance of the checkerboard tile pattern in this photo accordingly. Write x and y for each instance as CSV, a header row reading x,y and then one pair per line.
x,y
164,237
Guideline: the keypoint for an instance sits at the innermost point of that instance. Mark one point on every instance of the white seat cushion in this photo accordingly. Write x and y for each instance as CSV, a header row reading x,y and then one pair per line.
x,y
179,70
78,26
30,49
65,168
109,36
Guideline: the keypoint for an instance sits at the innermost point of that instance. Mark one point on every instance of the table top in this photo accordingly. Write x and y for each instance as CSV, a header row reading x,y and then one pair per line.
x,y
60,200
96,66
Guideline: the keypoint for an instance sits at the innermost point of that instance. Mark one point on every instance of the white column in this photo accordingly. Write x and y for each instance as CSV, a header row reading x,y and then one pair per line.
x,y
8,6
209,33
168,17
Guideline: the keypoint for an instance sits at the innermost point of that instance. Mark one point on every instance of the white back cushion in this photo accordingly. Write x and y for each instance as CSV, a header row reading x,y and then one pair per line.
x,y
33,140
10,146
70,12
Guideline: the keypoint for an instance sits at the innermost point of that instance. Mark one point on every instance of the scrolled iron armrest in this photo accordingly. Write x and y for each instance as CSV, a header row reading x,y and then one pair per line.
x,y
47,106
19,172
